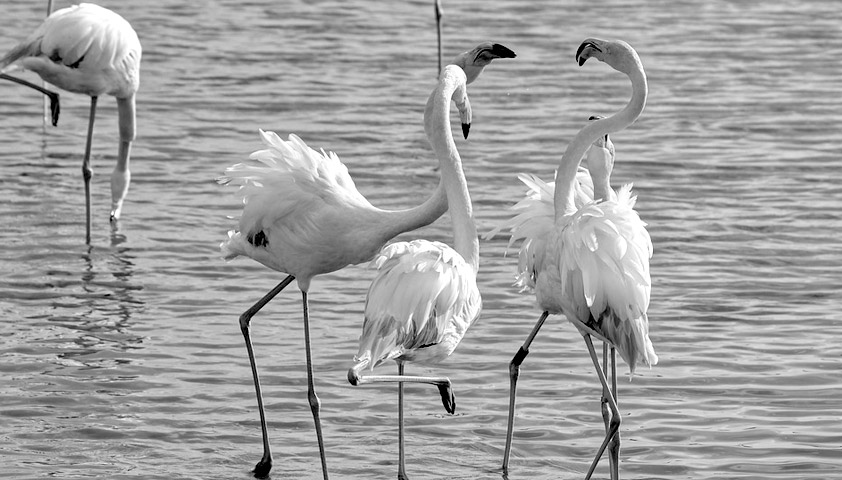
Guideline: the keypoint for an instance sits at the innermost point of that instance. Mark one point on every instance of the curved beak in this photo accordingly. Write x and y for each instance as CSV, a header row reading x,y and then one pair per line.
x,y
587,49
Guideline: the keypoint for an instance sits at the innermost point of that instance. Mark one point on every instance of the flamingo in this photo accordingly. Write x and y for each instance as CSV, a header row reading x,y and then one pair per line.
x,y
303,216
425,294
589,261
88,49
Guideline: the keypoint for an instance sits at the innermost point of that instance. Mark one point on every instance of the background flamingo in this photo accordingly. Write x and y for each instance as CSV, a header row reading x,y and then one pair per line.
x,y
304,216
590,263
89,49
425,295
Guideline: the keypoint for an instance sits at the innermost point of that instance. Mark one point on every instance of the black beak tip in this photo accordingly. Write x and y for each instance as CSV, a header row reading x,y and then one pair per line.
x,y
466,128
581,49
501,51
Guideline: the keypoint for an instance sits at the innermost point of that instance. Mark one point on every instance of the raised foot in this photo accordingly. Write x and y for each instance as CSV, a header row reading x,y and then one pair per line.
x,y
448,399
262,469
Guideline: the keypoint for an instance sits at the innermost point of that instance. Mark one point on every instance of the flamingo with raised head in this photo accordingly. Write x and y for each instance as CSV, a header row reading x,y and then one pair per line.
x,y
304,216
589,260
88,49
425,294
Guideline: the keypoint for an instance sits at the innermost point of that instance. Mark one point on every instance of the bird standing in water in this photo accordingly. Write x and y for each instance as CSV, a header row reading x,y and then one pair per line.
x,y
88,49
303,216
589,260
425,294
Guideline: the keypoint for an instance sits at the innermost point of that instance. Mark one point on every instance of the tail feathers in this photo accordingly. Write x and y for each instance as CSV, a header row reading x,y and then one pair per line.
x,y
378,351
233,247
631,338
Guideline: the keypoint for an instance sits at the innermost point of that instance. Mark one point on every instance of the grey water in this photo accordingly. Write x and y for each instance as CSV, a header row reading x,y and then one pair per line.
x,y
124,359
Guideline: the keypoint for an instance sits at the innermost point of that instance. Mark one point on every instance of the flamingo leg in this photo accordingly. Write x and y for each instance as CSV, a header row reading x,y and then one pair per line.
x,y
265,465
439,14
87,172
514,373
55,108
448,399
401,463
614,423
614,446
315,404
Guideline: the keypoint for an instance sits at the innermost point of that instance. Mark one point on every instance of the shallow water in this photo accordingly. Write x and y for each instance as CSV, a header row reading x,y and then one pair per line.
x,y
124,359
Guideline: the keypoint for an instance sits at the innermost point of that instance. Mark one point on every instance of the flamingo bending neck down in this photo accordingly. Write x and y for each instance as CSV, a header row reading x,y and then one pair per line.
x,y
590,260
425,295
88,49
304,216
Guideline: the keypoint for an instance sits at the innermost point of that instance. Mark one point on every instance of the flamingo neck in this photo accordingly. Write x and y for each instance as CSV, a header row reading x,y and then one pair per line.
x,y
601,187
438,130
400,221
566,173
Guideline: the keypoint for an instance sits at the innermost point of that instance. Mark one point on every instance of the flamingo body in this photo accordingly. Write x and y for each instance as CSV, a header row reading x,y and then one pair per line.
x,y
593,267
85,49
302,213
419,306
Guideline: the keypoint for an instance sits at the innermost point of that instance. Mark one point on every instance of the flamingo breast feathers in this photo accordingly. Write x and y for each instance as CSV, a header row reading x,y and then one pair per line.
x,y
535,220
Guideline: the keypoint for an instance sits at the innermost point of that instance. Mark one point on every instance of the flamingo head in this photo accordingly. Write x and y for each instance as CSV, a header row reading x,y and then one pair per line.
x,y
600,156
618,54
474,60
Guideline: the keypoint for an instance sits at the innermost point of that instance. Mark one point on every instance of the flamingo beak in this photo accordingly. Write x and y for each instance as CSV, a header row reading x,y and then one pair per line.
x,y
584,51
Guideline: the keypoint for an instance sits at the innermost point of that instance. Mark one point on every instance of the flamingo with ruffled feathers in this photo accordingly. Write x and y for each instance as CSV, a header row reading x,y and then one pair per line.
x,y
303,216
589,261
87,49
425,296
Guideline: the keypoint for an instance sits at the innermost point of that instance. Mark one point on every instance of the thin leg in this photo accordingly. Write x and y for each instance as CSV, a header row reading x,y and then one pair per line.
x,y
614,446
122,176
55,107
614,424
606,416
439,14
311,387
265,465
448,399
401,464
87,172
514,373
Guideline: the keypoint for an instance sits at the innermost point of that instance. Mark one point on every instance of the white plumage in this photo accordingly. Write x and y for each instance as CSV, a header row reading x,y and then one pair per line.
x,y
419,306
83,48
601,254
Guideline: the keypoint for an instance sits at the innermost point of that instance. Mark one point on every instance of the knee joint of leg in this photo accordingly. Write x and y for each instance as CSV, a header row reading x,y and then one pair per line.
x,y
519,356
314,400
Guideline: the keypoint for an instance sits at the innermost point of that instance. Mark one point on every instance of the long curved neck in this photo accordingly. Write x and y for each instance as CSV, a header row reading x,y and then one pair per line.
x,y
400,221
437,127
566,173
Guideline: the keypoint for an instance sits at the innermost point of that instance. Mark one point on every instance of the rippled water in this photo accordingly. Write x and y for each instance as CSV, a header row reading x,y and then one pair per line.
x,y
124,359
